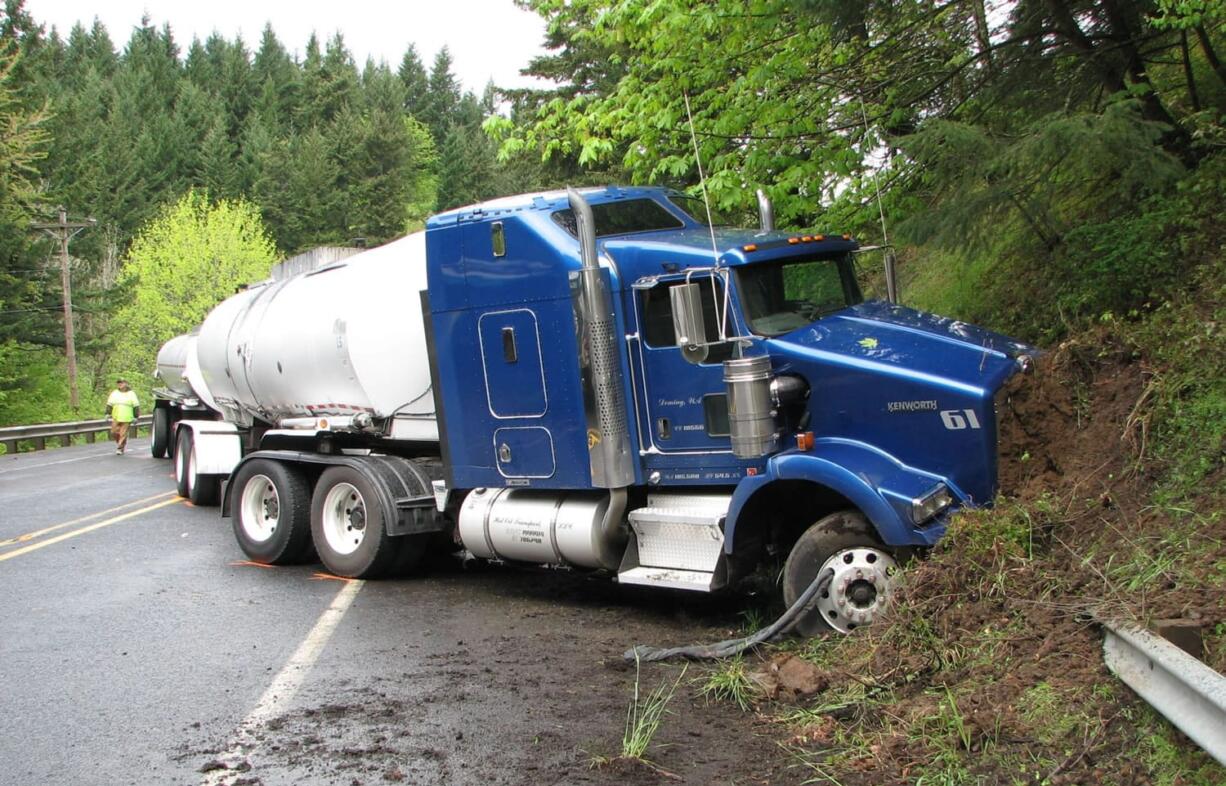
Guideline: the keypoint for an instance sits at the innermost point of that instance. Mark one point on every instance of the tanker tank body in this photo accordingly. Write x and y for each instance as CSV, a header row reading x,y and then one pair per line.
x,y
343,344
182,394
328,433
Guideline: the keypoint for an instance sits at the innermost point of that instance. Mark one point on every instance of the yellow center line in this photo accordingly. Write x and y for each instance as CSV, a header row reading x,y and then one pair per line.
x,y
39,533
90,528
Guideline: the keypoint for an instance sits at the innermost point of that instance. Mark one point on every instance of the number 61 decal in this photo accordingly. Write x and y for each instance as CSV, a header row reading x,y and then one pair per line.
x,y
958,419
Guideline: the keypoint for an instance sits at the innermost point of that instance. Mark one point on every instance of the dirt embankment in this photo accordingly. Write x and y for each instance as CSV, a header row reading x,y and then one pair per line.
x,y
991,667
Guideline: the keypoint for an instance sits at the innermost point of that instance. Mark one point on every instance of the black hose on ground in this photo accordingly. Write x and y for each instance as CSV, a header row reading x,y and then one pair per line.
x,y
731,647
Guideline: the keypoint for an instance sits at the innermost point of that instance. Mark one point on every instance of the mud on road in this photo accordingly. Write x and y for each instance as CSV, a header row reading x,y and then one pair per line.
x,y
503,676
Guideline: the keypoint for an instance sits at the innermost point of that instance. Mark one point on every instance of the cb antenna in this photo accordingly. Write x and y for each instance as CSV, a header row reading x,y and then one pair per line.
x,y
885,237
706,201
702,179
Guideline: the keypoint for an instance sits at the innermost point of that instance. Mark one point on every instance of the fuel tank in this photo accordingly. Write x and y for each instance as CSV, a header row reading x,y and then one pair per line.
x,y
342,340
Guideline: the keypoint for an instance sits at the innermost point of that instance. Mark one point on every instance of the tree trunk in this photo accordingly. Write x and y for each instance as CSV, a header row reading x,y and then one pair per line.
x,y
1187,71
1210,53
983,36
1122,39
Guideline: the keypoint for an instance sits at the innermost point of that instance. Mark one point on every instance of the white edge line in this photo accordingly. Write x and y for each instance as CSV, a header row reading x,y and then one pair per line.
x,y
61,461
281,691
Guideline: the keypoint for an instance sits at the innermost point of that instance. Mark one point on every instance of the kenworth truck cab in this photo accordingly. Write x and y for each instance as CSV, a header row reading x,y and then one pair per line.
x,y
598,379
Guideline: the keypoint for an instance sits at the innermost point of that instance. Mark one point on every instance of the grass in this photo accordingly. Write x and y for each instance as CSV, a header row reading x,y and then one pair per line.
x,y
645,714
1166,760
729,681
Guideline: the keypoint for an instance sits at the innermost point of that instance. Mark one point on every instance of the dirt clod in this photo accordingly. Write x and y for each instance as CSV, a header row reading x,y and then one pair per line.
x,y
788,677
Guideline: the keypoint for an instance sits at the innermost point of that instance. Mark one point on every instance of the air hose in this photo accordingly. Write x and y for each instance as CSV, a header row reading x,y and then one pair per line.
x,y
731,647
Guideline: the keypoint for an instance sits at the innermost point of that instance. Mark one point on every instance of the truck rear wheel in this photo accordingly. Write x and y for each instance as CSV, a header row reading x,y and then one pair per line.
x,y
271,506
160,439
202,490
348,526
864,574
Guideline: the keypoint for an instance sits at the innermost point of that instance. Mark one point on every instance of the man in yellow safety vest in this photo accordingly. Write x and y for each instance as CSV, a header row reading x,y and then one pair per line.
x,y
122,407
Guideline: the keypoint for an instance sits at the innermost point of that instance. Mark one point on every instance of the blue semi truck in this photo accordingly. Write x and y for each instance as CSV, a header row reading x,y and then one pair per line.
x,y
597,379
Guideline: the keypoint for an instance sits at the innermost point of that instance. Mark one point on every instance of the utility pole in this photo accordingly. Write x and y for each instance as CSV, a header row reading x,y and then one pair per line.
x,y
63,231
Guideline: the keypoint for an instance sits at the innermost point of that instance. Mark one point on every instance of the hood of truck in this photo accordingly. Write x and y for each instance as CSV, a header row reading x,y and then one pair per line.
x,y
903,342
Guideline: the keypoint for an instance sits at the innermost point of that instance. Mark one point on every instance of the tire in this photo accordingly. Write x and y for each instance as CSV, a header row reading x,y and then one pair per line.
x,y
202,490
160,438
865,574
347,526
270,503
183,449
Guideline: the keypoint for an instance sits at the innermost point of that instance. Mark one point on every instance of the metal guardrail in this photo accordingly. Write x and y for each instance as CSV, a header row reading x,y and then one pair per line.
x,y
14,437
1191,695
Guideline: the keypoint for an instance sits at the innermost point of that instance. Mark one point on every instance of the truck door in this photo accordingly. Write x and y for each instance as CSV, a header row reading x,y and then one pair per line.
x,y
683,405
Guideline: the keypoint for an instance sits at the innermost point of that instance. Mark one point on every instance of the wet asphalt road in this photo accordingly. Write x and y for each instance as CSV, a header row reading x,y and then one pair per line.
x,y
116,640
136,646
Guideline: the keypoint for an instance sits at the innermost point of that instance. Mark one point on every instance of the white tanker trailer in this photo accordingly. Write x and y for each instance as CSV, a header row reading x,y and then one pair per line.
x,y
183,394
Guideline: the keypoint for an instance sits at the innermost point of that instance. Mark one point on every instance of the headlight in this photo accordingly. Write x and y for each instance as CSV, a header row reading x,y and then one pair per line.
x,y
925,507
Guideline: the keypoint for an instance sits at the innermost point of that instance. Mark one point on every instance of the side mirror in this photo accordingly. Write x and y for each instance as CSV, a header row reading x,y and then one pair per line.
x,y
891,276
688,326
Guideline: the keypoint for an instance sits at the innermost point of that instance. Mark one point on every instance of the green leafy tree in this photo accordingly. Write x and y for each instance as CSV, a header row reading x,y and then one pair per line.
x,y
187,259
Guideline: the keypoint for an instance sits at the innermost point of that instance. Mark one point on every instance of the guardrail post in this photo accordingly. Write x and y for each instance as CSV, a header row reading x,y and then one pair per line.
x,y
40,443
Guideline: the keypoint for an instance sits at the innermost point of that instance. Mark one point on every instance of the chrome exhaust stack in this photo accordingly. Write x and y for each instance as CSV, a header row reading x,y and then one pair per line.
x,y
604,400
766,212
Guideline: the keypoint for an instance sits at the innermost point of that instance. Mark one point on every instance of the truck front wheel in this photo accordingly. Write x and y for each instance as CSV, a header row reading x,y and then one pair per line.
x,y
347,526
864,574
271,506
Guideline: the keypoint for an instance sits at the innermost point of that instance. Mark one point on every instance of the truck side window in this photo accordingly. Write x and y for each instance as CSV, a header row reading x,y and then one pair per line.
x,y
657,311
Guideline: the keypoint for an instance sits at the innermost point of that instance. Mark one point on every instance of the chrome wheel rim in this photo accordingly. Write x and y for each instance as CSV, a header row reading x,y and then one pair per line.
x,y
260,508
344,518
863,582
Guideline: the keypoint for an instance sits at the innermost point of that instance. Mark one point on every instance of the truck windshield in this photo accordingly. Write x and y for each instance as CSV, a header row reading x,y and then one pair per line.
x,y
783,296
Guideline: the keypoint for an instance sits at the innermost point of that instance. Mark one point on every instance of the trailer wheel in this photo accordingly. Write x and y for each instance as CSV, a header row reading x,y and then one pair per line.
x,y
183,449
865,574
271,505
202,490
347,526
160,440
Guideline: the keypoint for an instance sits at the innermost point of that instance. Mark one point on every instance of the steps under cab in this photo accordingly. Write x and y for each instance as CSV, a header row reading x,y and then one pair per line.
x,y
678,542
